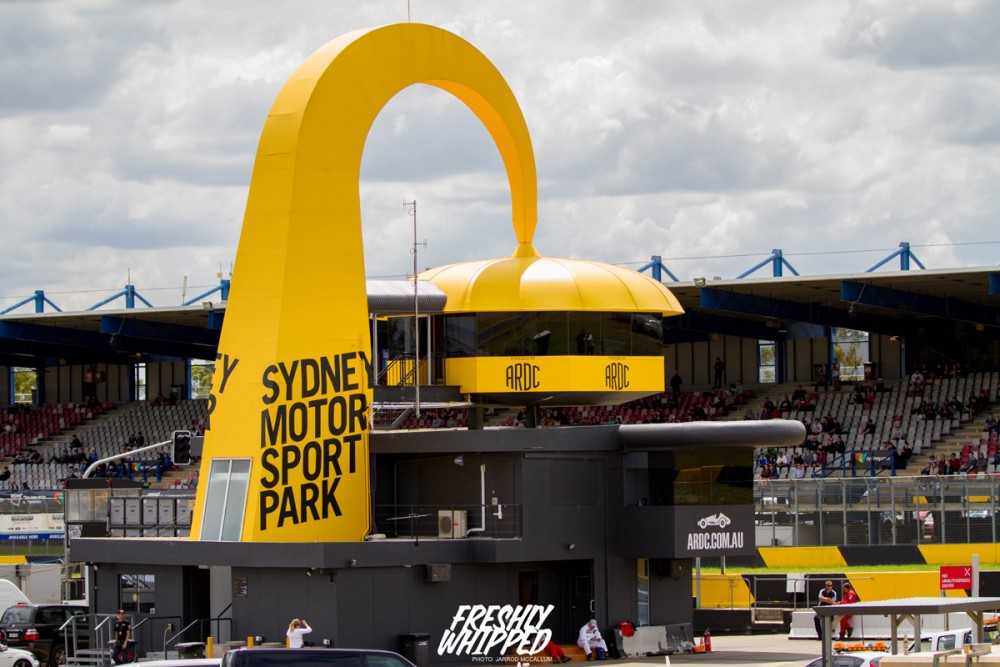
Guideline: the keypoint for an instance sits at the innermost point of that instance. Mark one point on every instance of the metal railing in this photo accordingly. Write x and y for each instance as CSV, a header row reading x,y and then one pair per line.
x,y
859,511
448,521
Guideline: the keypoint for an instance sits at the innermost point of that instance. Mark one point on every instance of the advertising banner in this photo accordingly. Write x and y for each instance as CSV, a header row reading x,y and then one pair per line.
x,y
714,530
497,375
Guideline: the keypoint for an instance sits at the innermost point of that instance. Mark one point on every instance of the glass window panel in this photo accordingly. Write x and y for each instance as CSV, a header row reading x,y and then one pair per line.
x,y
140,382
766,362
647,335
73,506
215,499
499,335
616,334
851,350
239,482
586,330
642,592
545,334
137,593
202,373
460,336
384,661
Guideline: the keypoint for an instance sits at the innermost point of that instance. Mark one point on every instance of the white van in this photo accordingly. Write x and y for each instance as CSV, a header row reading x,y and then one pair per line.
x,y
944,641
10,595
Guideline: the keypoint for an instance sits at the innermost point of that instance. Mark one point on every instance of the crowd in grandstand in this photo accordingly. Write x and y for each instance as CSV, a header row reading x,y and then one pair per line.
x,y
825,442
666,407
56,463
826,437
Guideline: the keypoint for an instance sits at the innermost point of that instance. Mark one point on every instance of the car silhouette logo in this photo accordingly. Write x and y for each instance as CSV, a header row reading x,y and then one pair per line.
x,y
720,520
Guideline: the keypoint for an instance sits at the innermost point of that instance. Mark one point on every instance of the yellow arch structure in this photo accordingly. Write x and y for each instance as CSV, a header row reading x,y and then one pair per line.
x,y
288,438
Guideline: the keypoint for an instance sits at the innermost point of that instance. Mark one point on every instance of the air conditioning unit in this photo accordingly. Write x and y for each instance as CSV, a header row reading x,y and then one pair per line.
x,y
453,523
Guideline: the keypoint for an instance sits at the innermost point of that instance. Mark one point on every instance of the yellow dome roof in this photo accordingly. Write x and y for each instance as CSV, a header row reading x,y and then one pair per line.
x,y
527,282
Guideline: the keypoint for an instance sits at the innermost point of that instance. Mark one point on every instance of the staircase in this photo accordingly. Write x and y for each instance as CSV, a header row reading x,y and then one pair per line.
x,y
89,657
574,652
963,435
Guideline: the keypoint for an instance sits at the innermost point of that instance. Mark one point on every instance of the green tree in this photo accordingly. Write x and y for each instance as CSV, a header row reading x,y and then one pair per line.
x,y
25,383
766,366
201,380
850,351
847,356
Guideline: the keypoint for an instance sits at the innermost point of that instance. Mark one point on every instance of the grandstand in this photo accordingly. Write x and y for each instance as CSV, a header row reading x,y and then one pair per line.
x,y
102,431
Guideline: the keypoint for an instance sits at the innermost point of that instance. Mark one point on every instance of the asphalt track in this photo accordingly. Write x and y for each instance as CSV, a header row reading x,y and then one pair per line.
x,y
734,650
774,650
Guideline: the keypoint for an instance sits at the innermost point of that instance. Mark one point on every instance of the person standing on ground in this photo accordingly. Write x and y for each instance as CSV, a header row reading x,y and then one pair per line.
x,y
849,597
123,633
675,385
720,371
296,630
827,596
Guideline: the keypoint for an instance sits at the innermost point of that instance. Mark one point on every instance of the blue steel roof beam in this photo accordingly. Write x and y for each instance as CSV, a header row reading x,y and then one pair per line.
x,y
31,354
50,346
767,307
222,288
58,335
918,304
905,255
40,300
98,343
215,319
130,296
658,267
776,260
159,331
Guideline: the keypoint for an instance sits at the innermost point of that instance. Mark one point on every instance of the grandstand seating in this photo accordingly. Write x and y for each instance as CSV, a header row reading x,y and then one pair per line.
x,y
45,422
155,422
895,408
890,410
107,433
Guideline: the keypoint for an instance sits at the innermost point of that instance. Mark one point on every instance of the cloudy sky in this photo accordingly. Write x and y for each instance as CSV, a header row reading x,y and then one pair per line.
x,y
705,132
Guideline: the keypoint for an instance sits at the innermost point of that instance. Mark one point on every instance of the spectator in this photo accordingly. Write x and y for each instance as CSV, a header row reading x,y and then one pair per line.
x,y
720,371
675,384
590,641
296,630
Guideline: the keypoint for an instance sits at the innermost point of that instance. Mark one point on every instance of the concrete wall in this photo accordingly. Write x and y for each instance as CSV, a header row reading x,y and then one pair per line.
x,y
888,355
181,596
65,384
162,378
112,382
5,395
696,361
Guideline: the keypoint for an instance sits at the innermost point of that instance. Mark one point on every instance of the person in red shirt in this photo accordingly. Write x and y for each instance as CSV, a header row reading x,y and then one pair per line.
x,y
849,596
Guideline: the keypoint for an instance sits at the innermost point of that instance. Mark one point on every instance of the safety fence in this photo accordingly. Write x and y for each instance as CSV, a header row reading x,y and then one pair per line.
x,y
949,509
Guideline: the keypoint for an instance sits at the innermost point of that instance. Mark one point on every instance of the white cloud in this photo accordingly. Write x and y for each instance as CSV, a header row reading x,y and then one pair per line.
x,y
708,133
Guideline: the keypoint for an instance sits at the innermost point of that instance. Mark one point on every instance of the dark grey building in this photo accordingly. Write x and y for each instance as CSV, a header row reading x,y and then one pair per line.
x,y
598,521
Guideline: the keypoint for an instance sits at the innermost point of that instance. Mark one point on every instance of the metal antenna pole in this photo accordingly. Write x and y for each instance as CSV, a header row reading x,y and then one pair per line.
x,y
411,208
